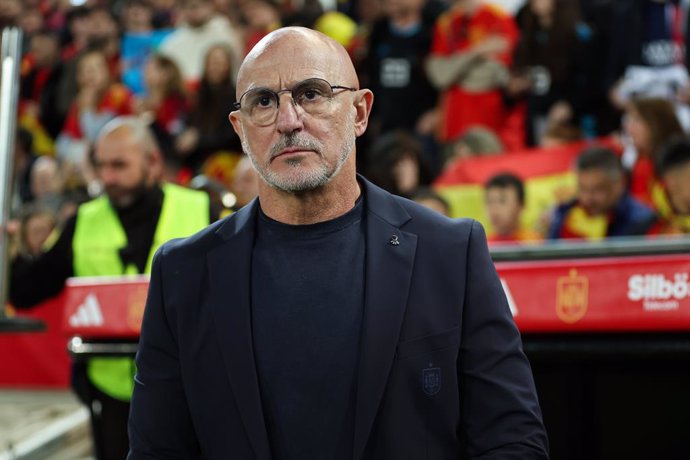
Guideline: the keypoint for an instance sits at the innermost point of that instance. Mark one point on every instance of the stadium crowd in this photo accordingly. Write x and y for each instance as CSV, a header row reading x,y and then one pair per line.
x,y
453,80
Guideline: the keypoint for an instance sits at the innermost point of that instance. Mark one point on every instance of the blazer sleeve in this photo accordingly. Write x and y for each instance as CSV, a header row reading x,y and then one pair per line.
x,y
160,425
501,418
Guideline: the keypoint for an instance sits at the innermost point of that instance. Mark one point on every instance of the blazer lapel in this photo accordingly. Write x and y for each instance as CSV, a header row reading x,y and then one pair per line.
x,y
229,267
389,263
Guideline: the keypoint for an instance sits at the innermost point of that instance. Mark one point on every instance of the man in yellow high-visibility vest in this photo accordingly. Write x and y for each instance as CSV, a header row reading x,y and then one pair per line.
x,y
114,234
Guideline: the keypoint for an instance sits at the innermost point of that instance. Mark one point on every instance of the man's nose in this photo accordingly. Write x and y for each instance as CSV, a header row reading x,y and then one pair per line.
x,y
106,175
289,118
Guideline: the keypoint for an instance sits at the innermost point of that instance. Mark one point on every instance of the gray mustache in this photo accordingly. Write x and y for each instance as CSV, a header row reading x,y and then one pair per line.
x,y
294,140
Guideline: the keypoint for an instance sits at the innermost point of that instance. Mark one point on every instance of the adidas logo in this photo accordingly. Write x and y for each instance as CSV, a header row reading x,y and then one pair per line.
x,y
88,314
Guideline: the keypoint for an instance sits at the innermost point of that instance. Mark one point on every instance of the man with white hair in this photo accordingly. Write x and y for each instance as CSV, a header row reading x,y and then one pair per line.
x,y
114,234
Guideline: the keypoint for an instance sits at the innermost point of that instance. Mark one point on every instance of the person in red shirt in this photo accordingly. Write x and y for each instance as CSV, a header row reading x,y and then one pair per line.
x,y
471,49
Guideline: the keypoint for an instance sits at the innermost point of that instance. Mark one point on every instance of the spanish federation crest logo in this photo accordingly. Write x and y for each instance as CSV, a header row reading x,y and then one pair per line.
x,y
572,297
431,380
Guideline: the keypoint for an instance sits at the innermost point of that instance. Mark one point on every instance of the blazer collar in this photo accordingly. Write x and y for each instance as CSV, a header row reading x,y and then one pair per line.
x,y
390,254
229,269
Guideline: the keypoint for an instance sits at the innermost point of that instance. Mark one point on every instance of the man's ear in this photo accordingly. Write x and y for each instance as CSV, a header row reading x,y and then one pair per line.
x,y
236,122
363,103
156,164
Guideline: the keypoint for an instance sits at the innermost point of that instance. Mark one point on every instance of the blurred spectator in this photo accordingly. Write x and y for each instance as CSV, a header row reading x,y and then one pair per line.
x,y
31,22
137,16
165,102
105,35
505,201
672,196
98,101
396,163
602,207
47,181
24,159
471,49
260,17
10,13
476,141
245,184
560,134
36,226
549,56
432,200
200,30
648,124
648,55
164,13
139,41
39,82
78,29
207,128
398,46
115,234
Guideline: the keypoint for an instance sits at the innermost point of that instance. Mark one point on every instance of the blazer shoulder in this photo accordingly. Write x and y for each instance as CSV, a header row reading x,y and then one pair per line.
x,y
199,243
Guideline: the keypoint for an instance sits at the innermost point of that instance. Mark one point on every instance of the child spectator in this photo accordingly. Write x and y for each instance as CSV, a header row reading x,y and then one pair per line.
x,y
505,201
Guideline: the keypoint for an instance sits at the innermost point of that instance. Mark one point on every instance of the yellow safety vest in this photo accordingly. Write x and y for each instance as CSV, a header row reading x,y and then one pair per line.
x,y
98,237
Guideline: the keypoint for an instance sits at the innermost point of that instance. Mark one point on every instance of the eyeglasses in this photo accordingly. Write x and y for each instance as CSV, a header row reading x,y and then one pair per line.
x,y
312,95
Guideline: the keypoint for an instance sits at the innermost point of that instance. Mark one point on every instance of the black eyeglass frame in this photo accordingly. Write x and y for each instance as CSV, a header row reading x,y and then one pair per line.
x,y
238,105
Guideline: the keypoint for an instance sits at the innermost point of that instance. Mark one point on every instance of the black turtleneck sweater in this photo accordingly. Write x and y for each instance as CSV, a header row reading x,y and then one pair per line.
x,y
34,280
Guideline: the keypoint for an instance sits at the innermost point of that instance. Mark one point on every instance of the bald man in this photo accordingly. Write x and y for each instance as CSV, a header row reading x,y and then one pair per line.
x,y
327,319
114,234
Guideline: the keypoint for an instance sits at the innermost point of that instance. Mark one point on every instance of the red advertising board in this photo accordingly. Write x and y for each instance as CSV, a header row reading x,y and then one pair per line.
x,y
650,293
105,307
633,294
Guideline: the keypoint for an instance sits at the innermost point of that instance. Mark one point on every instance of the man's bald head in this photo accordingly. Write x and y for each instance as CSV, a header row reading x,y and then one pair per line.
x,y
297,46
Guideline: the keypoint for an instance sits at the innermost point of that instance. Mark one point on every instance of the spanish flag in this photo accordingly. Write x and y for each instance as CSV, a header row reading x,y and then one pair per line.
x,y
548,175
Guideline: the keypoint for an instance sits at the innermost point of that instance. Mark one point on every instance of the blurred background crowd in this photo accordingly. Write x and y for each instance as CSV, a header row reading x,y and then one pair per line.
x,y
460,86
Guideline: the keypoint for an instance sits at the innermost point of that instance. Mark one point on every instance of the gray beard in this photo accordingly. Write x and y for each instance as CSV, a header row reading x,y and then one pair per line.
x,y
300,181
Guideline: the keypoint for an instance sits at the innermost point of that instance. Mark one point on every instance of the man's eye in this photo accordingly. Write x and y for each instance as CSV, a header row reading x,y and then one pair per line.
x,y
310,95
264,101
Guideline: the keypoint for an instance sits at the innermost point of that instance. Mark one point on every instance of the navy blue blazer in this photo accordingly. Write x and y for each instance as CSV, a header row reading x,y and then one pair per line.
x,y
441,371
